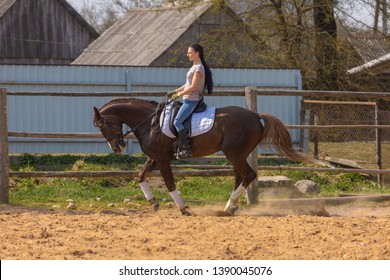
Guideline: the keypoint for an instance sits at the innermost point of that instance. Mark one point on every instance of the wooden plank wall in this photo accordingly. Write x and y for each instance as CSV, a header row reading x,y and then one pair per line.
x,y
42,32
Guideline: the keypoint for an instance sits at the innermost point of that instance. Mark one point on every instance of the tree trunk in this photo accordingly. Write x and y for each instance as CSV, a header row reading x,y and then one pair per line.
x,y
326,48
384,17
291,35
376,16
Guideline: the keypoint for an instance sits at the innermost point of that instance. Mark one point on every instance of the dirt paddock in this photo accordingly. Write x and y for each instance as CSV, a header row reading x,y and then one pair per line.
x,y
348,232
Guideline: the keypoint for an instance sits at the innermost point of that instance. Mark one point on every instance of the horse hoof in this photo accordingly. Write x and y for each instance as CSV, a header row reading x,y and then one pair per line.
x,y
186,211
231,210
155,207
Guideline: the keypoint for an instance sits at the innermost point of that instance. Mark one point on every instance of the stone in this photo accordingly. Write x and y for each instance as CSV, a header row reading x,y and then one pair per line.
x,y
169,205
71,206
274,181
307,186
275,186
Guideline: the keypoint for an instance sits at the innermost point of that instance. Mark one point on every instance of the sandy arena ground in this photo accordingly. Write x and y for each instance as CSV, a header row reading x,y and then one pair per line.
x,y
350,232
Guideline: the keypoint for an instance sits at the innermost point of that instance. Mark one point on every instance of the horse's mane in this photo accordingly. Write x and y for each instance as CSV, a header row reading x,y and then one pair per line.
x,y
126,100
158,107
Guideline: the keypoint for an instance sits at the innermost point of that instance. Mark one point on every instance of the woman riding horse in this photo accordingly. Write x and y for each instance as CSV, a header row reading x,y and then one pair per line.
x,y
198,78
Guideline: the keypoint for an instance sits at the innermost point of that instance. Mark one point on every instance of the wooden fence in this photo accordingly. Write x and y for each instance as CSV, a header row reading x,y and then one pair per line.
x,y
250,93
4,161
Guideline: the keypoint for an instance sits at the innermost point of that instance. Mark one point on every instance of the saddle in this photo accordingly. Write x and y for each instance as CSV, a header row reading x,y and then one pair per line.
x,y
201,107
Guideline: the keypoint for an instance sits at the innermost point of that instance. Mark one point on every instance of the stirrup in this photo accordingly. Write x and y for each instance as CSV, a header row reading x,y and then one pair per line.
x,y
183,154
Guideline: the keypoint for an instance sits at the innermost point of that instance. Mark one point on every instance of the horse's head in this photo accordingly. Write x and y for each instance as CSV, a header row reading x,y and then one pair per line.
x,y
111,130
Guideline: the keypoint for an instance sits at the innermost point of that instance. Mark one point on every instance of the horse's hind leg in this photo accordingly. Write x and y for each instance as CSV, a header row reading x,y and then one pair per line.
x,y
148,167
237,179
231,206
244,175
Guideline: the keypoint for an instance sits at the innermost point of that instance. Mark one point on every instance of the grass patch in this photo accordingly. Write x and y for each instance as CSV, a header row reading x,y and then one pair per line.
x,y
212,189
335,184
95,194
71,162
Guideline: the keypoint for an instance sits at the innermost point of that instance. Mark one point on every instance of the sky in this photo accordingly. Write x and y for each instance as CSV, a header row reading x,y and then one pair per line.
x,y
77,4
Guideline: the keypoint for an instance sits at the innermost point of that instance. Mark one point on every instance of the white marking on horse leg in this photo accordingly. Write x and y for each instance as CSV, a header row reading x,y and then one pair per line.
x,y
177,198
146,190
234,198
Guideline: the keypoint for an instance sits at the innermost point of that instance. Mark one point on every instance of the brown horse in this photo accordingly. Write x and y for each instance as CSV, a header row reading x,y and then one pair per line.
x,y
236,132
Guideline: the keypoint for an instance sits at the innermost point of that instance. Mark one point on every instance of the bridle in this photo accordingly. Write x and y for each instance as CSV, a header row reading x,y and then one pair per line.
x,y
120,135
109,124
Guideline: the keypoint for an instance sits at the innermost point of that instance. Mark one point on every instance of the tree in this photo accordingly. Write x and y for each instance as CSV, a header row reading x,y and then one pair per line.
x,y
289,29
103,13
380,6
301,34
326,52
364,15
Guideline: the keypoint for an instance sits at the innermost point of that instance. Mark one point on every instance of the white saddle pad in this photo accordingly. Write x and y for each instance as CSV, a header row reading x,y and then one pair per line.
x,y
200,122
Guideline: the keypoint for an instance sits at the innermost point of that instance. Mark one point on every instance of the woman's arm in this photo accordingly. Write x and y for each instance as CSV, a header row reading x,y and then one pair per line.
x,y
179,89
195,81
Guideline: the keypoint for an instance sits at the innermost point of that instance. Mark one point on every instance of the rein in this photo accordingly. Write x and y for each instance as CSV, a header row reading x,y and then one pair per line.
x,y
160,106
131,130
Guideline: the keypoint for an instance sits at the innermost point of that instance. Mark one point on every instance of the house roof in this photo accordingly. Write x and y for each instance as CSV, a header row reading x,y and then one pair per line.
x,y
374,51
370,48
141,36
6,4
385,59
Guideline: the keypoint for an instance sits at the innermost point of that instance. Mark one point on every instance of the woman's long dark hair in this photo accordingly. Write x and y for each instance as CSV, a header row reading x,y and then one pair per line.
x,y
209,75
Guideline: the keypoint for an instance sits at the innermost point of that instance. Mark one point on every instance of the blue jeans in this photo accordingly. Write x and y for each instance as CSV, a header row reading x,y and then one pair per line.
x,y
185,111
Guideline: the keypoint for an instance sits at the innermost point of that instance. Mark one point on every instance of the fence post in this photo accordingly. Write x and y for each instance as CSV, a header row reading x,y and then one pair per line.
x,y
4,157
378,145
315,140
306,132
252,190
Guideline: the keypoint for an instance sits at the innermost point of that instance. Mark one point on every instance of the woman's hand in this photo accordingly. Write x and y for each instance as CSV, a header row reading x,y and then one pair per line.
x,y
175,96
170,93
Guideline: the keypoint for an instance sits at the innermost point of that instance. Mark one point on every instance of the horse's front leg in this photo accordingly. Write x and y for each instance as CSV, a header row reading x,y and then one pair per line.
x,y
148,167
166,172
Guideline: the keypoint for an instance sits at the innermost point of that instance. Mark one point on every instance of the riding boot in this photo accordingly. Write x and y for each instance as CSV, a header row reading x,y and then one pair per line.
x,y
184,146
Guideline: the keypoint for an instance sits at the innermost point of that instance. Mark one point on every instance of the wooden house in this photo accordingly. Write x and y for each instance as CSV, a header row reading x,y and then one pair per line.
x,y
372,69
161,36
42,32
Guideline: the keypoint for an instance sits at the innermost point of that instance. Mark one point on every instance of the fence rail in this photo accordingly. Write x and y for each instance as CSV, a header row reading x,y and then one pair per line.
x,y
114,94
181,173
317,93
60,135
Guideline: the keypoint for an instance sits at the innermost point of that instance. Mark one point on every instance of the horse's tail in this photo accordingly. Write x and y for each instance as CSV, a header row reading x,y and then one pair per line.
x,y
276,133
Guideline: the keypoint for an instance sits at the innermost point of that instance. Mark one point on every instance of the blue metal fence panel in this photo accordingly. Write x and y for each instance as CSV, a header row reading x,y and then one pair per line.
x,y
74,114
